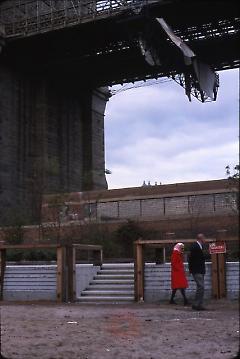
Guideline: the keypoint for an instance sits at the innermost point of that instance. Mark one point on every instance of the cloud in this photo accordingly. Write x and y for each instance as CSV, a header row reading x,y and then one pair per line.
x,y
154,133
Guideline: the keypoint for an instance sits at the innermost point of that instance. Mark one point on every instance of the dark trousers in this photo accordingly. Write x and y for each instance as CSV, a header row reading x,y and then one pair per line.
x,y
199,280
182,290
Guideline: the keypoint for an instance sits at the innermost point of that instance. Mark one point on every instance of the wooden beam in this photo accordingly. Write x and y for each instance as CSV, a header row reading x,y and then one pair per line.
x,y
218,275
66,265
101,256
222,275
215,289
2,270
42,245
97,257
71,274
28,246
88,247
61,254
138,272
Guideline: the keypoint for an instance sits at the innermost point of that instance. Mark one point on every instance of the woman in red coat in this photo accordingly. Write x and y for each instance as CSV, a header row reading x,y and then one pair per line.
x,y
178,277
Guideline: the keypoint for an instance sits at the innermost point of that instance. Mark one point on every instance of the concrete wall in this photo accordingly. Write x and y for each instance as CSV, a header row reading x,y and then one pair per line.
x,y
158,282
84,274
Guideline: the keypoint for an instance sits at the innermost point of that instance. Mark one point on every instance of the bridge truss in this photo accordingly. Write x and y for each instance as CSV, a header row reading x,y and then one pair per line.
x,y
29,17
121,41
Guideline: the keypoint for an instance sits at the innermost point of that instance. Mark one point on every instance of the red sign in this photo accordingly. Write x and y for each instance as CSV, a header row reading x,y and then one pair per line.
x,y
217,247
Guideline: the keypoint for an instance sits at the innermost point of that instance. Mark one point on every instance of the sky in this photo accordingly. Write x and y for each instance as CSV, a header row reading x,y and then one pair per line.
x,y
155,134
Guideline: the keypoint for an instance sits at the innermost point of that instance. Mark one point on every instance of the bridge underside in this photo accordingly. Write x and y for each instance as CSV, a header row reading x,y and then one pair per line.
x,y
52,116
107,50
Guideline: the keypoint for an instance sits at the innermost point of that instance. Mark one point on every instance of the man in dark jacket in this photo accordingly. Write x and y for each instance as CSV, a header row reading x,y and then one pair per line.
x,y
196,265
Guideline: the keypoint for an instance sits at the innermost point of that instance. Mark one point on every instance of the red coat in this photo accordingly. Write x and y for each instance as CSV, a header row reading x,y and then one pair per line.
x,y
178,277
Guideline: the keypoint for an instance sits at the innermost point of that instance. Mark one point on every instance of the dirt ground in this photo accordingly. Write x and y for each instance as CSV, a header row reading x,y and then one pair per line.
x,y
133,331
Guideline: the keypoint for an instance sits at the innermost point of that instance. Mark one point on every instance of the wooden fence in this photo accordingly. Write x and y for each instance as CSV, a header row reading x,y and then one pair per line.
x,y
218,263
66,265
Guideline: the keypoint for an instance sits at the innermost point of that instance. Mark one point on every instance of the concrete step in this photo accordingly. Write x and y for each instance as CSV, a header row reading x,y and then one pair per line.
x,y
101,293
117,265
116,271
113,276
112,283
114,286
97,280
94,299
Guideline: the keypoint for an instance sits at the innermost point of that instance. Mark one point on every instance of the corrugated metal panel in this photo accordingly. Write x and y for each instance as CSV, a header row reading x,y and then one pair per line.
x,y
30,282
232,278
158,281
38,282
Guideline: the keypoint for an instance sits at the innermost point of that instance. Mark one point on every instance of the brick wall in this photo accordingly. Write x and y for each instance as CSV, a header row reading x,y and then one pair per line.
x,y
187,201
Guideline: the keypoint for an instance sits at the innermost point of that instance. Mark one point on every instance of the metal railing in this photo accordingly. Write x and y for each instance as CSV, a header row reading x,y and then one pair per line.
x,y
28,17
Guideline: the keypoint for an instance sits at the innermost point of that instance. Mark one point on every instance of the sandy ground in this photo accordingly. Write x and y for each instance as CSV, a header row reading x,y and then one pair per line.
x,y
137,331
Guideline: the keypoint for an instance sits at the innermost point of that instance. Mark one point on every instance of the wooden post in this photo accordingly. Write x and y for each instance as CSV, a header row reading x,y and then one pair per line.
x,y
97,257
74,275
215,290
2,269
221,236
101,257
138,272
61,259
222,275
218,276
164,255
70,283
219,270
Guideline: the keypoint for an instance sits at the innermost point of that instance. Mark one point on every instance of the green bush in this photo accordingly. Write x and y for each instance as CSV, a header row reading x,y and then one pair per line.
x,y
126,235
16,255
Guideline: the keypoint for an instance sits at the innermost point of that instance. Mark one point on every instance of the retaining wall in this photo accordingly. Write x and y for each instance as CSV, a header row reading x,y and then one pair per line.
x,y
38,282
157,282
30,282
84,274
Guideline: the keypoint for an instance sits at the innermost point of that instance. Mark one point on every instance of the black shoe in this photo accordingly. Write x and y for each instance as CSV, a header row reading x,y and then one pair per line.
x,y
172,301
237,356
198,308
186,302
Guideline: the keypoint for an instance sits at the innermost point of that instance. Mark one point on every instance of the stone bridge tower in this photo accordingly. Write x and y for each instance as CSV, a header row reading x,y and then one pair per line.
x,y
51,135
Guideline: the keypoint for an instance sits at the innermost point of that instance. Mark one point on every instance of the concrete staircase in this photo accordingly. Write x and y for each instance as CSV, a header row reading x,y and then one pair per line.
x,y
114,283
